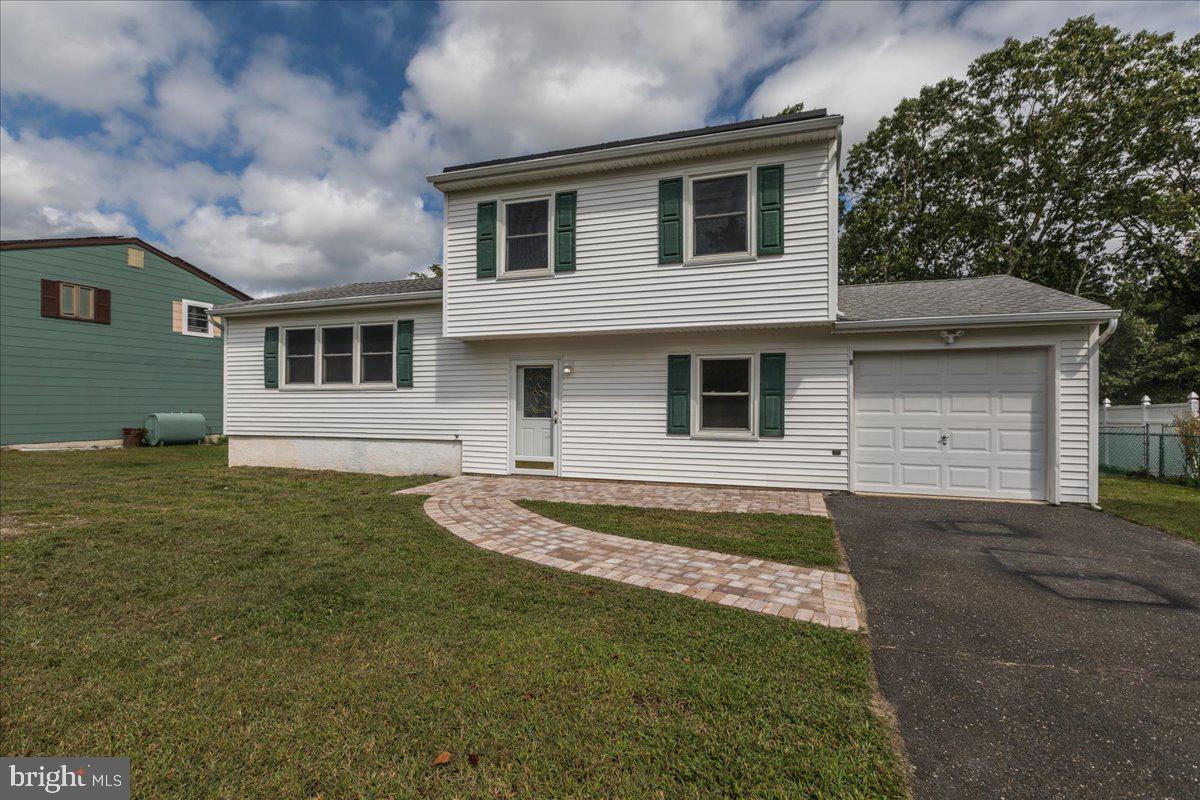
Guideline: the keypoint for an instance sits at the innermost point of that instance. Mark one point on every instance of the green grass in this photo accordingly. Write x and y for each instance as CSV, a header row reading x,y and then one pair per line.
x,y
788,538
1166,506
259,633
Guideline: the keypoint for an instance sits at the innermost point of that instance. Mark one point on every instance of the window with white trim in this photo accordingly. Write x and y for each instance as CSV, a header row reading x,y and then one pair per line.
x,y
720,215
726,394
196,318
526,225
340,356
300,356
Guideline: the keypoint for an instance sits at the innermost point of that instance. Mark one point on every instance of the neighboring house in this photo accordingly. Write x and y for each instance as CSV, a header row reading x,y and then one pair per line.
x,y
96,333
667,309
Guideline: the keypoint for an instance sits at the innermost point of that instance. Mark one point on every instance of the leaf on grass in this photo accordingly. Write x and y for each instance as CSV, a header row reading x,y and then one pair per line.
x,y
473,758
442,758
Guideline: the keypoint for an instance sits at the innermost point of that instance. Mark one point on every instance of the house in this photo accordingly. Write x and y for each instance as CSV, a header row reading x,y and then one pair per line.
x,y
95,333
667,309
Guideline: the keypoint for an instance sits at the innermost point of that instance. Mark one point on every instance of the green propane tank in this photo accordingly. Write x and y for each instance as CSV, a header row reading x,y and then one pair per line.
x,y
175,428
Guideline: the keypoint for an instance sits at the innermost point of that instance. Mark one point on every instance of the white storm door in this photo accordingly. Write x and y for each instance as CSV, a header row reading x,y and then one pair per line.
x,y
536,416
968,423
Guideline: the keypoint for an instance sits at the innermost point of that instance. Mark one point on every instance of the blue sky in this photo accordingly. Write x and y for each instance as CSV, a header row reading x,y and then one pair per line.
x,y
284,145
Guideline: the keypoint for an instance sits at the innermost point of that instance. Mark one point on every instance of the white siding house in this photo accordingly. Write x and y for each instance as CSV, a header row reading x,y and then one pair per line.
x,y
667,309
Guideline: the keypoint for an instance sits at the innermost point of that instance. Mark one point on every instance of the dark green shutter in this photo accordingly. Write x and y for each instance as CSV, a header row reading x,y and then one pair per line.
x,y
564,232
670,221
271,358
679,390
404,352
770,210
485,240
770,394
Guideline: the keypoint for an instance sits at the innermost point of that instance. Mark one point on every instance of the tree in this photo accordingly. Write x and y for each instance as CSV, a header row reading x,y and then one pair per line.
x,y
1072,160
432,271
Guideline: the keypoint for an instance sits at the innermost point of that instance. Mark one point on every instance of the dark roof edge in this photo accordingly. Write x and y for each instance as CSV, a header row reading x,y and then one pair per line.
x,y
91,241
816,113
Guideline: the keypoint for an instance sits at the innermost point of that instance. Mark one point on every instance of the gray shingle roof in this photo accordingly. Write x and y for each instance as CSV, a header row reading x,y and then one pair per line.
x,y
963,297
347,291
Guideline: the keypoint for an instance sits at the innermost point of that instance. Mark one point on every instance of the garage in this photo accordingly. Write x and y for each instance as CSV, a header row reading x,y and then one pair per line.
x,y
965,423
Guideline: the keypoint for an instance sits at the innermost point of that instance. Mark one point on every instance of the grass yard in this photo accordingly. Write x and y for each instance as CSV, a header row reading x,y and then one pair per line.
x,y
787,538
259,633
1166,506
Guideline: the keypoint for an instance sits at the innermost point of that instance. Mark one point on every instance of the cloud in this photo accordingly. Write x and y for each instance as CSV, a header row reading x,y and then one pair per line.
x,y
860,59
93,56
502,78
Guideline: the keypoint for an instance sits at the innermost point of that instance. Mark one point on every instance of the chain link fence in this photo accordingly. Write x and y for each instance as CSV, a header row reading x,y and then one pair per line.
x,y
1154,449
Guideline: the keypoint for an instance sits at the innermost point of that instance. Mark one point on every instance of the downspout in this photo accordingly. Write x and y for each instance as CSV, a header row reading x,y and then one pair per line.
x,y
1105,335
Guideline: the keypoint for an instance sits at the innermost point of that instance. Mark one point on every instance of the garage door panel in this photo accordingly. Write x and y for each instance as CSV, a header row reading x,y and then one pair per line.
x,y
989,405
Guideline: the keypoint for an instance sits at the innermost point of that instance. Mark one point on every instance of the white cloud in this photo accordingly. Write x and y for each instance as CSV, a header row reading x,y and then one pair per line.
x,y
92,56
505,78
861,59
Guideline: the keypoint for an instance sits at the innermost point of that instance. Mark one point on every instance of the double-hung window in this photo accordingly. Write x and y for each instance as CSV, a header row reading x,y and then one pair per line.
x,y
76,302
720,216
341,356
527,235
726,398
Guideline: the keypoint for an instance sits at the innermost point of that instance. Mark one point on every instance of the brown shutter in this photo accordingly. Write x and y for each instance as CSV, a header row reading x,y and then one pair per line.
x,y
49,298
103,306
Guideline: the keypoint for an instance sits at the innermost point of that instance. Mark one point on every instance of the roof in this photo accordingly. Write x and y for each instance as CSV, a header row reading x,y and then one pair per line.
x,y
348,292
661,137
89,241
959,297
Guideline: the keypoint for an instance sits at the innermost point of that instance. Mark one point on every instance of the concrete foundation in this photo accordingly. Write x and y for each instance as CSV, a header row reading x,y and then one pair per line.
x,y
376,456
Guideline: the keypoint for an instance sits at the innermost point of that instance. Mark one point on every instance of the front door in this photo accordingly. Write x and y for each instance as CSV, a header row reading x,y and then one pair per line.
x,y
536,417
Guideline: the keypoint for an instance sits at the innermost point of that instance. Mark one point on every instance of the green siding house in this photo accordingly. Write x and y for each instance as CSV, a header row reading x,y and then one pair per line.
x,y
97,333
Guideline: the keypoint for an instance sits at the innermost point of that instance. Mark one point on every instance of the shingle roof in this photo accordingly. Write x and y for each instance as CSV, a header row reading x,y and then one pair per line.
x,y
347,291
962,297
816,113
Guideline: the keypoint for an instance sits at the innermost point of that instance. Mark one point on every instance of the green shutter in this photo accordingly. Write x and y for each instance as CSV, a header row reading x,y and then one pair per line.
x,y
485,240
770,394
679,390
564,232
670,221
770,210
404,352
271,358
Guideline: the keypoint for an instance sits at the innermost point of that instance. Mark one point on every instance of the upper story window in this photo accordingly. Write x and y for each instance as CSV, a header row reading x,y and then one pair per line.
x,y
76,302
720,208
341,356
527,235
196,319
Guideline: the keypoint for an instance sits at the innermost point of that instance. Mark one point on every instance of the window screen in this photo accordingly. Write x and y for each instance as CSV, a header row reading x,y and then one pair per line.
x,y
526,235
719,216
725,394
197,319
337,355
377,356
300,348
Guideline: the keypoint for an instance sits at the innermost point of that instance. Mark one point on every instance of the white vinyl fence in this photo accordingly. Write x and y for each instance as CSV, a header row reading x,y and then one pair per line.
x,y
1143,438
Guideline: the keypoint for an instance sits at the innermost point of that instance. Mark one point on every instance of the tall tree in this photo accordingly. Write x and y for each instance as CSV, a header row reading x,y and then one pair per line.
x,y
1072,160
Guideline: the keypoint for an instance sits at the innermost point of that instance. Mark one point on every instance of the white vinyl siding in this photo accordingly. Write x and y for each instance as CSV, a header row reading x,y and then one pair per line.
x,y
618,283
613,406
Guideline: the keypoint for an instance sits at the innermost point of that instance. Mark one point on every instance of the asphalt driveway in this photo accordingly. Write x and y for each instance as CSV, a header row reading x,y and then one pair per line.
x,y
1031,651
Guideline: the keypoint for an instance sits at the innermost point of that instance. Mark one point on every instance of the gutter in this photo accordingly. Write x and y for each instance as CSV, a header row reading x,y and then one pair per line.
x,y
446,180
335,302
972,320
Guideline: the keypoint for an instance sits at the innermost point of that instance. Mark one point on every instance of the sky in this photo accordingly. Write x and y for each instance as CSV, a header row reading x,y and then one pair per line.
x,y
284,145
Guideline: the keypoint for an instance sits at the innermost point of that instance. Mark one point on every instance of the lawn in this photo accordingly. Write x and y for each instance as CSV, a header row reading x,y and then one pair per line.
x,y
787,538
259,633
1166,506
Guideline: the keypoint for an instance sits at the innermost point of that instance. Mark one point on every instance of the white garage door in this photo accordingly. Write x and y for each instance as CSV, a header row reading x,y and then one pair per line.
x,y
965,423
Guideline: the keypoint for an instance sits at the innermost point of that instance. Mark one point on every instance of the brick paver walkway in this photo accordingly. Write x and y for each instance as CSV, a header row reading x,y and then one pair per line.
x,y
480,510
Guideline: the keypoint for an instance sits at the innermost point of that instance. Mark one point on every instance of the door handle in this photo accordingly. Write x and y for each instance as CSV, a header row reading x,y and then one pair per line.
x,y
554,419
945,438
